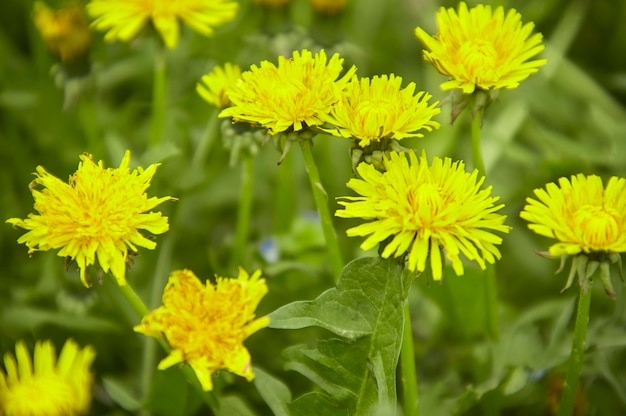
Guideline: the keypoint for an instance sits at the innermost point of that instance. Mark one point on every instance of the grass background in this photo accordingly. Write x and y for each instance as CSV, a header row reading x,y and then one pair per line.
x,y
567,118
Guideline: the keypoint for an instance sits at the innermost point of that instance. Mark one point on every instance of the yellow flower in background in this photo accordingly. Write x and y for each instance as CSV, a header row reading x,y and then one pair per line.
x,y
422,209
296,94
581,214
206,325
481,48
215,86
123,19
97,214
328,6
45,386
377,109
65,31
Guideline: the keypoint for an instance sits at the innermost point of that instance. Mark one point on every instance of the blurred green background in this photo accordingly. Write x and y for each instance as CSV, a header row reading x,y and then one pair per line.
x,y
568,118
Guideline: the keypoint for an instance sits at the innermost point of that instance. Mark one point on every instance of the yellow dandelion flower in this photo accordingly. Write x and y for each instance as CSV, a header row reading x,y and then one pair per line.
x,y
205,325
581,214
97,214
215,86
45,386
377,109
123,19
419,209
296,94
65,31
328,6
482,49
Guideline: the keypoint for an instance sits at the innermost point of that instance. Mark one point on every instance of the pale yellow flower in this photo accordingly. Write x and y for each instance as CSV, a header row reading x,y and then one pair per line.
x,y
371,110
123,19
215,86
481,48
206,325
65,31
45,386
97,214
295,94
418,210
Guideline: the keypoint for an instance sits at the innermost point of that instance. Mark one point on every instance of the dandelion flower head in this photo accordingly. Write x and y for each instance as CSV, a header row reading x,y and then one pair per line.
x,y
581,214
481,48
45,386
123,19
215,86
205,325
417,210
65,31
371,110
295,94
97,214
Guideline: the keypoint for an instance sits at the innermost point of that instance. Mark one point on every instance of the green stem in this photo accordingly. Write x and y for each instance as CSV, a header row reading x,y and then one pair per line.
x,y
321,201
568,396
244,211
407,367
284,202
134,300
477,155
209,134
159,92
490,286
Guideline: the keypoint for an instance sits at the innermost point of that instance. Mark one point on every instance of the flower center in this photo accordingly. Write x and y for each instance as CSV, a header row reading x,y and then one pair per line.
x,y
427,203
478,56
373,115
597,226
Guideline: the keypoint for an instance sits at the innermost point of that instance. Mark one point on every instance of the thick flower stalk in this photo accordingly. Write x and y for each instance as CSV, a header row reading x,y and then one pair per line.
x,y
417,210
65,31
372,110
206,325
122,20
295,94
45,385
215,86
481,48
587,220
98,214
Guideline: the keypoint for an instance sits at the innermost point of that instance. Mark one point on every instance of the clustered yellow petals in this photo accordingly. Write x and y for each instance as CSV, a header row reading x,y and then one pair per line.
x,y
45,386
123,19
295,94
581,214
65,31
206,325
481,48
97,214
417,210
379,108
216,85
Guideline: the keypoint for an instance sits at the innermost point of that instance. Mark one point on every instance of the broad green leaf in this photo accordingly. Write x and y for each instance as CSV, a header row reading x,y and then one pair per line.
x,y
273,391
328,311
359,374
323,405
